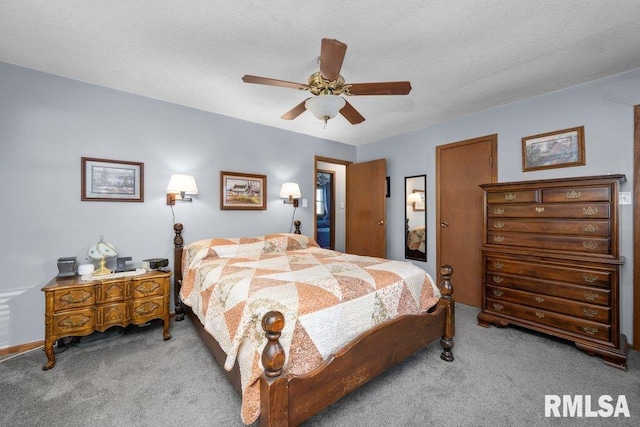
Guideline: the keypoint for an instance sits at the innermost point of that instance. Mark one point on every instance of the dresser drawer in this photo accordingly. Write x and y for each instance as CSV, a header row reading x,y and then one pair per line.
x,y
582,294
107,292
591,245
146,309
595,228
78,297
520,196
558,305
75,321
586,328
550,210
573,194
112,314
567,273
148,288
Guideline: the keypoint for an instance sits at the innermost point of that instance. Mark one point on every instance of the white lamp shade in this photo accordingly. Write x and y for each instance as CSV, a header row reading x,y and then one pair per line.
x,y
325,107
290,190
414,198
182,183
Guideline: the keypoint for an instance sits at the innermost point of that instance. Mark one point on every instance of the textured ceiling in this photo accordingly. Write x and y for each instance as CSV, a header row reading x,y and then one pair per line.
x,y
460,56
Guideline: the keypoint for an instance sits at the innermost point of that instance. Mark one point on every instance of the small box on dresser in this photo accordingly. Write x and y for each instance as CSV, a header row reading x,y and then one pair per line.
x,y
76,307
551,261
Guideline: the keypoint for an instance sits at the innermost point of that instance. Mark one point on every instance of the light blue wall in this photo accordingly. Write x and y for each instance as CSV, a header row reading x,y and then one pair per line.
x,y
603,107
48,123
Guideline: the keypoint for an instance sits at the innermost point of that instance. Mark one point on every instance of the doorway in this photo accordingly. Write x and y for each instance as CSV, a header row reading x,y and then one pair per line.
x,y
325,213
460,213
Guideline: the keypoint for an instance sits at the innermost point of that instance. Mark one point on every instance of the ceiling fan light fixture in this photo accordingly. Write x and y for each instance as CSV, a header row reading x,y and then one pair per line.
x,y
325,107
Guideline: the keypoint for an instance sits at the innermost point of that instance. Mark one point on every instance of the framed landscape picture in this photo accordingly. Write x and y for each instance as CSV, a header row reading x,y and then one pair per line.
x,y
243,191
111,180
559,149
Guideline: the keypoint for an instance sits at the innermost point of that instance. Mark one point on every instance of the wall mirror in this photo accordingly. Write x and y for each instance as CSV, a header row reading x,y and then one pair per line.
x,y
415,217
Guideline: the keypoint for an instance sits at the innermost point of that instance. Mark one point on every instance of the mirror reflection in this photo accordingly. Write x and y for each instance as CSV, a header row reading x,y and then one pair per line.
x,y
415,217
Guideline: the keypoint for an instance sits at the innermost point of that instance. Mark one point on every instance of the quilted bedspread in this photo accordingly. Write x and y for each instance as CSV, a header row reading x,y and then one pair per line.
x,y
328,298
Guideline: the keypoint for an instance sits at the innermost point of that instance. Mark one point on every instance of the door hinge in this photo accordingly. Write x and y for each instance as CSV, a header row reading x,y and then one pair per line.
x,y
490,161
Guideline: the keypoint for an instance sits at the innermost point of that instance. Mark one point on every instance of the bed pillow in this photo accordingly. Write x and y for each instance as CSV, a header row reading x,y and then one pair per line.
x,y
245,247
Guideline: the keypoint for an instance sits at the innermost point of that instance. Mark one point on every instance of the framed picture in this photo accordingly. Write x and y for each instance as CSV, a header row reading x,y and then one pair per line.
x,y
111,180
419,206
557,149
242,191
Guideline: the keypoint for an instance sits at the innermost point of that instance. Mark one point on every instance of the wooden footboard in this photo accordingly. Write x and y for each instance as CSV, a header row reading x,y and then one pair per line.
x,y
289,400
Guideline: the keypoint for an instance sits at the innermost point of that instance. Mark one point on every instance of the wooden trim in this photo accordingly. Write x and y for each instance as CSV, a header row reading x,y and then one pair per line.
x,y
10,351
636,229
317,159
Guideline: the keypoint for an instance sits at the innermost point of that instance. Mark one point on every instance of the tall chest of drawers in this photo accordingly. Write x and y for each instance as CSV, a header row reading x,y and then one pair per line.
x,y
551,261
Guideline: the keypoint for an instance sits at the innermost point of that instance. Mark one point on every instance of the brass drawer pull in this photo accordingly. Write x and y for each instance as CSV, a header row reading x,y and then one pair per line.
x,y
498,239
590,228
590,296
573,194
498,211
539,315
146,308
498,292
589,330
498,279
590,278
83,296
69,323
590,211
539,209
590,245
510,196
539,299
498,265
589,312
498,224
498,306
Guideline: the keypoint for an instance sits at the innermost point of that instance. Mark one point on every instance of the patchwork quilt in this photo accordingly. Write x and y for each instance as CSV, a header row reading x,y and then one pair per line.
x,y
328,298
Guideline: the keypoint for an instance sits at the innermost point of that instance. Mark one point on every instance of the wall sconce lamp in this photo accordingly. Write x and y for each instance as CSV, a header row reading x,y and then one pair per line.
x,y
179,187
413,198
290,191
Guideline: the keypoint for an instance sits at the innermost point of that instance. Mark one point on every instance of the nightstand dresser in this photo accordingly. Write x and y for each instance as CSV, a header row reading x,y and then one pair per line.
x,y
75,307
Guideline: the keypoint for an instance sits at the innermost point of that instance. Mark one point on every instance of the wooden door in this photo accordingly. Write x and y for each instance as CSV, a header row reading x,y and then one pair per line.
x,y
460,168
366,208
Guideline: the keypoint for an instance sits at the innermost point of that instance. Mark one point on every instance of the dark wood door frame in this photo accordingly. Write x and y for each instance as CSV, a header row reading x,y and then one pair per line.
x,y
636,228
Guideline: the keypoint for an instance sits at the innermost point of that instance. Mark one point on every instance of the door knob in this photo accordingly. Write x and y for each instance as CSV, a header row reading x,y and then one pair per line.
x,y
444,224
381,222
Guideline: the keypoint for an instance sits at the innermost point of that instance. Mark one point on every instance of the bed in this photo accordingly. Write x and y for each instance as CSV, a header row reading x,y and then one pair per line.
x,y
294,353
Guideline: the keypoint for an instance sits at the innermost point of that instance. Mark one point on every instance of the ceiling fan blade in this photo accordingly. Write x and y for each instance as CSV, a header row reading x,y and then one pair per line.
x,y
382,88
273,82
351,114
295,111
332,54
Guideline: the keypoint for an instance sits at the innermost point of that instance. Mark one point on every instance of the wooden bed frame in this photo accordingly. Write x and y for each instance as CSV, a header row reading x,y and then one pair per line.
x,y
287,400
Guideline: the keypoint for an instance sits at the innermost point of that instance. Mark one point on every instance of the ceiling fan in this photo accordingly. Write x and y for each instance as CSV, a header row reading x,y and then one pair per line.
x,y
327,85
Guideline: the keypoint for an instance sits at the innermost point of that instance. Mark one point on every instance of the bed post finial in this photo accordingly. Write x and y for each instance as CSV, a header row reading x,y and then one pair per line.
x,y
273,353
297,225
446,292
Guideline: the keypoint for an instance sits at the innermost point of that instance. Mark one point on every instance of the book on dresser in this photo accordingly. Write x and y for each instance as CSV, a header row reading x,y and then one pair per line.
x,y
551,261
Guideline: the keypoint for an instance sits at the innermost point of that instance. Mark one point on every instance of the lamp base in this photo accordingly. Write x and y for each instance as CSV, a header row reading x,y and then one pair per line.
x,y
102,270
